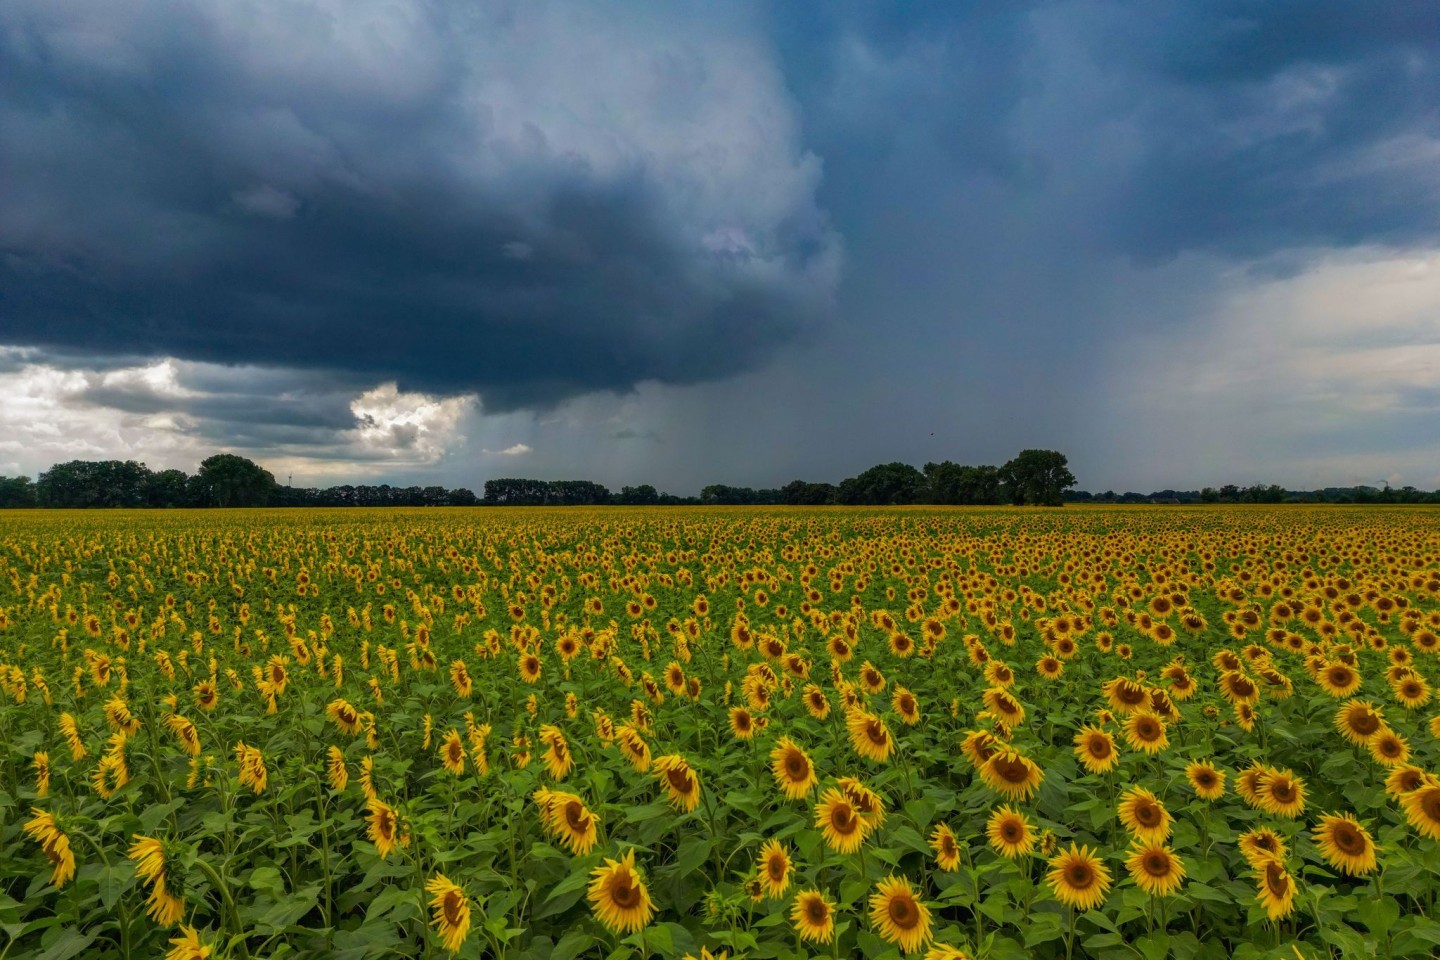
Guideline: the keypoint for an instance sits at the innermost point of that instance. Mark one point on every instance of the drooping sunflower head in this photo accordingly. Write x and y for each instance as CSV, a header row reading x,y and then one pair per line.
x,y
1261,843
681,783
906,706
1010,833
1358,721
1345,844
1422,809
1155,869
898,916
1011,774
1095,748
1144,731
1276,888
793,772
1144,816
842,826
1207,781
813,915
773,867
618,896
1282,793
947,850
451,911
1078,878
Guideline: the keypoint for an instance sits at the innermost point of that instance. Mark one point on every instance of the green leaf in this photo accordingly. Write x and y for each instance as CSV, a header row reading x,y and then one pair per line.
x,y
571,945
692,854
68,944
1155,946
1042,928
1378,915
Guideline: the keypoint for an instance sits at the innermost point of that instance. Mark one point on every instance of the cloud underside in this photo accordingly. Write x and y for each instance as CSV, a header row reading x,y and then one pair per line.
x,y
465,204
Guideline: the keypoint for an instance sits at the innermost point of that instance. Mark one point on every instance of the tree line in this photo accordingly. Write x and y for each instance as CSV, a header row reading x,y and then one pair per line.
x,y
1035,477
1263,493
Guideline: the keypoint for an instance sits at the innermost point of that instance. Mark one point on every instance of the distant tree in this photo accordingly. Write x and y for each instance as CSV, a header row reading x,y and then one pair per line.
x,y
16,492
167,488
576,493
90,483
462,497
886,483
1037,477
230,480
515,492
801,493
643,495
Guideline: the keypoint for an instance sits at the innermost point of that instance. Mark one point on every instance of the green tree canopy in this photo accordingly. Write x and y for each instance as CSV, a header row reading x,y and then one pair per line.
x,y
229,480
1037,477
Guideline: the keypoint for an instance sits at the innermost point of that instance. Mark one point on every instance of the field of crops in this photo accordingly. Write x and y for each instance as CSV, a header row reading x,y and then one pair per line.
x,y
1109,732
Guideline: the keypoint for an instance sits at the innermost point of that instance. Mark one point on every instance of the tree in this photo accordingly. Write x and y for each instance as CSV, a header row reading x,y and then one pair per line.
x,y
884,484
168,488
643,495
16,492
1038,478
229,480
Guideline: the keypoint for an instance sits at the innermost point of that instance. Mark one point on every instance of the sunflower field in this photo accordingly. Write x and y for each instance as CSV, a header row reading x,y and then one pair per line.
x,y
675,732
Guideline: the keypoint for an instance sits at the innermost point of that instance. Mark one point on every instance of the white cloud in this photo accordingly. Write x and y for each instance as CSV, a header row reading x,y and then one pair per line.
x,y
1330,376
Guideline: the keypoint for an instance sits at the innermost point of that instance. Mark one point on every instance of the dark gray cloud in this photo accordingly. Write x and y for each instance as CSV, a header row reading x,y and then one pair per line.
x,y
458,197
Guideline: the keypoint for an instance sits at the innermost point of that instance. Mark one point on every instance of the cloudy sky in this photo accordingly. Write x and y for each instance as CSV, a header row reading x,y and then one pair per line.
x,y
685,243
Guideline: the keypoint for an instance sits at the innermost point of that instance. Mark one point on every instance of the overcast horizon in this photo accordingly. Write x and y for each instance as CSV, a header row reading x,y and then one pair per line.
x,y
1186,244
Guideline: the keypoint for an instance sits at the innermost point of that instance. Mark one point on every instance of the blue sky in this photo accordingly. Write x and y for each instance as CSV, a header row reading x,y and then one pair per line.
x,y
1185,243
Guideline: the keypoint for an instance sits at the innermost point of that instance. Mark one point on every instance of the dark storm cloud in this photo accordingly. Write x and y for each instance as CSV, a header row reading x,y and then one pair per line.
x,y
1237,127
371,192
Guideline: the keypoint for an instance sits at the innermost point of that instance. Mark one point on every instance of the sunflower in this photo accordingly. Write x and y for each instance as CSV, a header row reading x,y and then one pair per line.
x,y
1125,695
1049,667
842,825
1412,692
869,736
1011,774
794,773
1144,816
1422,809
1078,878
345,716
979,746
1004,707
43,829
943,951
813,914
1338,679
906,706
529,666
1359,721
188,946
1206,780
1282,793
871,678
207,695
1276,888
383,827
816,702
1402,779
117,712
1345,844
451,918
869,804
452,752
1236,687
1261,843
1096,750
1247,784
742,724
774,868
618,896
947,851
42,774
1389,748
1010,833
1155,869
898,916
682,784
1145,732
71,732
559,761
634,747
335,770
150,859
252,767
